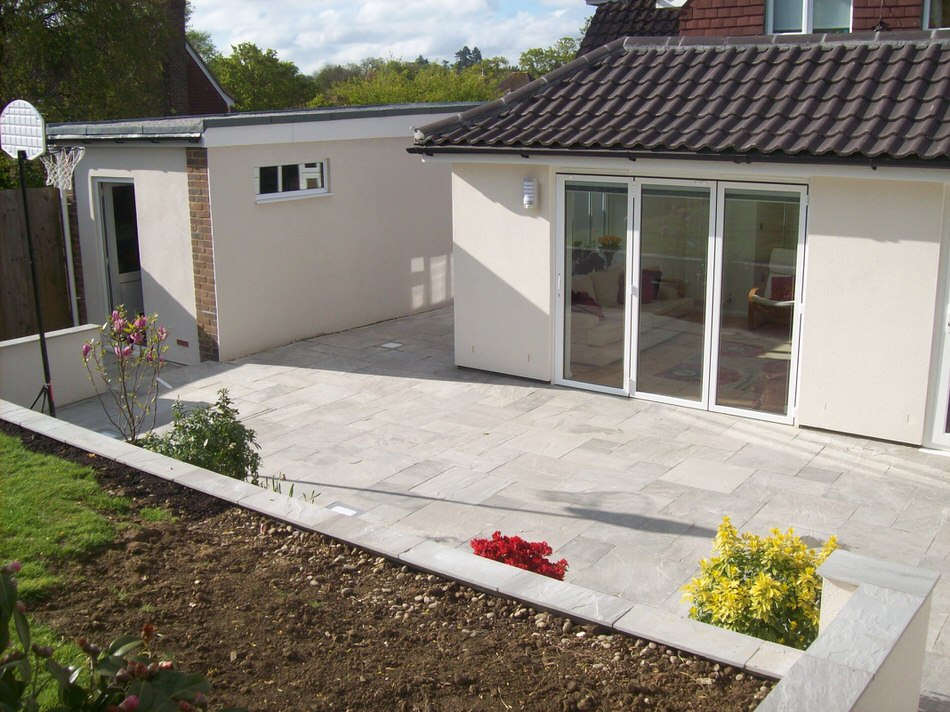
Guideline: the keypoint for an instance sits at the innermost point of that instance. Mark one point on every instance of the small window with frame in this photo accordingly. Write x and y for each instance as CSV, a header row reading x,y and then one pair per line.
x,y
291,180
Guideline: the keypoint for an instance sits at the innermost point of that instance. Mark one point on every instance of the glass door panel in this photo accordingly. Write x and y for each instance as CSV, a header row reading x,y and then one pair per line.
x,y
757,299
671,331
595,257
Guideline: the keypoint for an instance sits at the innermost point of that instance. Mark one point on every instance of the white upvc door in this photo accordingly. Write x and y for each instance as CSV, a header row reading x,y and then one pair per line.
x,y
938,416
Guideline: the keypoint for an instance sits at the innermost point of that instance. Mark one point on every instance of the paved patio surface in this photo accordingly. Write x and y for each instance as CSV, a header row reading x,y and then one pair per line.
x,y
379,421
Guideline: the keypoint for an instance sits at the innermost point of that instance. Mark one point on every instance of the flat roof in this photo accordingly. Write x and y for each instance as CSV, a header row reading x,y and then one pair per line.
x,y
192,128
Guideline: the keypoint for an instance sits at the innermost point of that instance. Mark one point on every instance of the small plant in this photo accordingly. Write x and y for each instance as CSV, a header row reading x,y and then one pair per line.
x,y
515,551
135,347
124,677
765,587
211,437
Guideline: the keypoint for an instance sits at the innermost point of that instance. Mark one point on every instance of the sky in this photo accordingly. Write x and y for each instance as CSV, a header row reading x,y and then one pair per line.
x,y
313,33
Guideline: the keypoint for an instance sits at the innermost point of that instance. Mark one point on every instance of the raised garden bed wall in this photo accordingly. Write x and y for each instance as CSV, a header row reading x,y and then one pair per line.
x,y
21,368
869,652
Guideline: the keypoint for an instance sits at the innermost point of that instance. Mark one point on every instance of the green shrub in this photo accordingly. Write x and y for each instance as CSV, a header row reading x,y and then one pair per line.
x,y
764,587
211,437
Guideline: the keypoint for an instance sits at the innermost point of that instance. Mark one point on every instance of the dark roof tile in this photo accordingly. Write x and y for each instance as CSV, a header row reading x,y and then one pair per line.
x,y
628,18
885,96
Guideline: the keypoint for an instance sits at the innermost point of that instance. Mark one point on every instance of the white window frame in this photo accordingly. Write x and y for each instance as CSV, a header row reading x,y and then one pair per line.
x,y
302,169
925,20
808,17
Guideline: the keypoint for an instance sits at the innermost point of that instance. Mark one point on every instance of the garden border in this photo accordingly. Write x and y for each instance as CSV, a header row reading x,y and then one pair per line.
x,y
874,613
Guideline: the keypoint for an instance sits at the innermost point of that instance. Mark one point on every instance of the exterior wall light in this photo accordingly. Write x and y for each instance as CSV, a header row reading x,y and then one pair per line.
x,y
530,193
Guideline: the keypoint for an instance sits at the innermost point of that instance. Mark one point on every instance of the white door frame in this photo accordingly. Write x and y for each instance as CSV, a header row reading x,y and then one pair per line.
x,y
560,277
936,433
108,264
713,310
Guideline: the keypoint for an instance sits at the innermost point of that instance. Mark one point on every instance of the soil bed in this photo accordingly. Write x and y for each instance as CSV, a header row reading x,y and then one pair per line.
x,y
284,619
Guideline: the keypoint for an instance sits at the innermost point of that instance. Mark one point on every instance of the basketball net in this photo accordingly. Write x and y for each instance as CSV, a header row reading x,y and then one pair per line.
x,y
60,164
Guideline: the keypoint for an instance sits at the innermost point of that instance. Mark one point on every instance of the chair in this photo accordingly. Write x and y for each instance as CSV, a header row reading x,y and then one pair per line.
x,y
777,301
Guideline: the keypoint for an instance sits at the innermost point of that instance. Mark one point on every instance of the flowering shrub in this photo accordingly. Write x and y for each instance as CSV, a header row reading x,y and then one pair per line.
x,y
515,551
135,347
125,677
211,437
767,587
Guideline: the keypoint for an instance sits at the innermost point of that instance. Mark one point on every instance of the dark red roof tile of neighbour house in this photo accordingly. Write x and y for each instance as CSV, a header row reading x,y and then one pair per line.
x,y
883,97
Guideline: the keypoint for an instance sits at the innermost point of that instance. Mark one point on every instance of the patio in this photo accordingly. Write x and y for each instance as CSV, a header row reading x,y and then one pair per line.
x,y
378,421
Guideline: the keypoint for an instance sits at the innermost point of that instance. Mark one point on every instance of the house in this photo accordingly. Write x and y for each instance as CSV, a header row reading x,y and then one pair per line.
x,y
753,225
248,231
190,87
614,19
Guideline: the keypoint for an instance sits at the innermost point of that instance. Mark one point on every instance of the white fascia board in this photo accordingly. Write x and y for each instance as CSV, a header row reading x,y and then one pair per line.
x,y
329,130
664,4
706,170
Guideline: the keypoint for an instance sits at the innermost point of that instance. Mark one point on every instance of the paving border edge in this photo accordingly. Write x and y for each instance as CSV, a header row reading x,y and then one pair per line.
x,y
559,597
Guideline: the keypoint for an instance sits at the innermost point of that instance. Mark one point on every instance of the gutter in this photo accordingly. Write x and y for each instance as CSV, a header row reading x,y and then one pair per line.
x,y
528,153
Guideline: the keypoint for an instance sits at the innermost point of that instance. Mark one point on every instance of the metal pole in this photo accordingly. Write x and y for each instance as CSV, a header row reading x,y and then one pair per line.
x,y
47,388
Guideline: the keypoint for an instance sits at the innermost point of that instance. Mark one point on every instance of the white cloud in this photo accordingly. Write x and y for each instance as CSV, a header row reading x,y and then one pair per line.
x,y
318,32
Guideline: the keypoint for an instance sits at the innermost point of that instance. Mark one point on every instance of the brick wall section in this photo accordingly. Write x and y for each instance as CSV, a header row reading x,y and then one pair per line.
x,y
73,215
176,60
723,17
202,252
203,98
738,18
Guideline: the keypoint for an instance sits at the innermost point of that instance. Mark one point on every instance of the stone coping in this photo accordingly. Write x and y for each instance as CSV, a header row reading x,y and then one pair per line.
x,y
559,597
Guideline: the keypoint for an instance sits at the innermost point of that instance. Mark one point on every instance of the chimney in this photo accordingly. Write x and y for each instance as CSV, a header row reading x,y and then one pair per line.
x,y
176,61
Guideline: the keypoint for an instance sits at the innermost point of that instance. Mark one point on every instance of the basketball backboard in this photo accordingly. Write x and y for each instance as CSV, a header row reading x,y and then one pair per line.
x,y
22,129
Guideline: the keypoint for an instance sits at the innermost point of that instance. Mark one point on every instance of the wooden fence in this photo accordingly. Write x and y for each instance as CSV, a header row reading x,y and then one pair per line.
x,y
17,310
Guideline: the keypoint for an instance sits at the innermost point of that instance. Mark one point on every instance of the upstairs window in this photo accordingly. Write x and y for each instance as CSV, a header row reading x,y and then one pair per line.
x,y
809,16
291,180
936,14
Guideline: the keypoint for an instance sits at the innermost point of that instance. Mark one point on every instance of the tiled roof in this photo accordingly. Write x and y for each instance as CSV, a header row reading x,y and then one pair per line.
x,y
866,96
624,18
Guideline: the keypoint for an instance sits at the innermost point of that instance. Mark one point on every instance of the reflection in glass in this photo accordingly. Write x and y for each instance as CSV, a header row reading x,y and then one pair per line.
x,y
674,239
760,243
595,296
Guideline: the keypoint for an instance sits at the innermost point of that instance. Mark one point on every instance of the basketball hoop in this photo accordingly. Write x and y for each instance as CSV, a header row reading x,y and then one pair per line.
x,y
60,164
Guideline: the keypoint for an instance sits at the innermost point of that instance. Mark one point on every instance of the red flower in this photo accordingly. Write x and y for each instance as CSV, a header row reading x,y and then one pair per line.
x,y
515,551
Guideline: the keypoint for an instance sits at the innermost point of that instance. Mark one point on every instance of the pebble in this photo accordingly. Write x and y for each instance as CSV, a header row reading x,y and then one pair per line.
x,y
740,677
566,628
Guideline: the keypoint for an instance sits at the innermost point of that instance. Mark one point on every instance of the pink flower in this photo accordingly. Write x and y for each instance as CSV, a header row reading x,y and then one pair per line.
x,y
185,706
140,323
118,325
162,333
122,353
115,315
129,704
86,350
13,567
137,337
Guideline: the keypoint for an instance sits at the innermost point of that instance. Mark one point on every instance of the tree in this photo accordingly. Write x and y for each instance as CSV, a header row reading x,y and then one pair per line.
x,y
202,43
259,81
538,61
466,57
82,60
396,82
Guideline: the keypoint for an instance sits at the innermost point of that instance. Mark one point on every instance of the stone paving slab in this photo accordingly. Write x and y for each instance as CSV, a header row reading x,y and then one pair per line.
x,y
360,423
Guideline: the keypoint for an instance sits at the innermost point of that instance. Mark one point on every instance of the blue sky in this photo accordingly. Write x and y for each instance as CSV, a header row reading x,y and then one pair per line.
x,y
312,33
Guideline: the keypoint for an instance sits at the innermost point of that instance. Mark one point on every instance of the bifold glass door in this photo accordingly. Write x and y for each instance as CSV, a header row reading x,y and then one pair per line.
x,y
596,235
691,298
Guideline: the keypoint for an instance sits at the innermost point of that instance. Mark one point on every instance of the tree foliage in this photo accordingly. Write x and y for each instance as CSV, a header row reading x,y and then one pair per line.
x,y
466,58
398,82
538,60
259,80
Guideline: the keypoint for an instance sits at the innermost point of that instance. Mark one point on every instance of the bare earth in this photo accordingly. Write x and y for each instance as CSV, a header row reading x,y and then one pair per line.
x,y
283,619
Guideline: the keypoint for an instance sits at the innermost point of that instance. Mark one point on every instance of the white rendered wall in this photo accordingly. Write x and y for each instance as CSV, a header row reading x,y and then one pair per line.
x,y
871,286
164,228
378,246
503,270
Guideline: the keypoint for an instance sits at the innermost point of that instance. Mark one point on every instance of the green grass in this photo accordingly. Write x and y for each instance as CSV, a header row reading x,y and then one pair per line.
x,y
51,510
156,514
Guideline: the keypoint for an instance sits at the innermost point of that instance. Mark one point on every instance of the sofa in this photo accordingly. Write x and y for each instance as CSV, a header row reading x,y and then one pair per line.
x,y
595,319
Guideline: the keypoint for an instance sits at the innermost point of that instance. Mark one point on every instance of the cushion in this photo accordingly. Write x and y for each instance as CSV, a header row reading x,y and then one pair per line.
x,y
667,291
649,284
583,283
783,288
582,301
605,285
